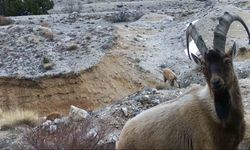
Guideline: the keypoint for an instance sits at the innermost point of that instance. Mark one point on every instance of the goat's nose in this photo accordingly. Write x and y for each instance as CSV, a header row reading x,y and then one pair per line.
x,y
216,83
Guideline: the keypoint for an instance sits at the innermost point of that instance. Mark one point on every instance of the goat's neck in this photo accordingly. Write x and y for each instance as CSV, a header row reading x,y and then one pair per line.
x,y
228,105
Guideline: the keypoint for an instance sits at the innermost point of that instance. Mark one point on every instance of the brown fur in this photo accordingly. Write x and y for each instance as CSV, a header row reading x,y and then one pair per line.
x,y
245,144
169,75
54,115
191,121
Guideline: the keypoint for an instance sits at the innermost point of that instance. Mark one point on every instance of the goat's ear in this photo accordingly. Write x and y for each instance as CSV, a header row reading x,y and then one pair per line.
x,y
233,50
196,59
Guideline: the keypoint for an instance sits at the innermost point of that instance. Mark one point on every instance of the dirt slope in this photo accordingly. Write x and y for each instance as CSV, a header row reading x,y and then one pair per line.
x,y
111,79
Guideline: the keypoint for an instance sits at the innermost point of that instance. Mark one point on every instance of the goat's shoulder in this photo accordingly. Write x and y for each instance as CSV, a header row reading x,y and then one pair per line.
x,y
181,115
183,105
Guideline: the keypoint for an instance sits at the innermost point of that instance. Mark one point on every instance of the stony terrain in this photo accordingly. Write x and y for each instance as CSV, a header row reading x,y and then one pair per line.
x,y
94,53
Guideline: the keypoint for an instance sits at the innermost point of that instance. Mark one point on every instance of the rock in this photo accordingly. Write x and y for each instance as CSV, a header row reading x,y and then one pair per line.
x,y
77,114
156,102
125,111
47,123
73,15
61,120
143,99
57,121
155,91
52,128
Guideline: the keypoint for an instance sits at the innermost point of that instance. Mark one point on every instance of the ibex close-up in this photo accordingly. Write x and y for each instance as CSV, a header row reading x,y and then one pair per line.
x,y
209,117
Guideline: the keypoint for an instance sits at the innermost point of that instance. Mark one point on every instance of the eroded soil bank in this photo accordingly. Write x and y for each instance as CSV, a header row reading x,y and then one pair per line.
x,y
111,79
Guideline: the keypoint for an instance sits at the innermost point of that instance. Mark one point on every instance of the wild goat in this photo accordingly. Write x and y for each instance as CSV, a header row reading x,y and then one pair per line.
x,y
209,117
169,75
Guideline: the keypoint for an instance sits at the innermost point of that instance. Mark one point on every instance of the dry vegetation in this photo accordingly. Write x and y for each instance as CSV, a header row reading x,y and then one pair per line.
x,y
72,47
12,119
54,115
162,86
243,53
1,113
84,135
5,21
48,35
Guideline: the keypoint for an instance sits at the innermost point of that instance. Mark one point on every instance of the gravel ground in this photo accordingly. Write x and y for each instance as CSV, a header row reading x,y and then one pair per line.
x,y
70,43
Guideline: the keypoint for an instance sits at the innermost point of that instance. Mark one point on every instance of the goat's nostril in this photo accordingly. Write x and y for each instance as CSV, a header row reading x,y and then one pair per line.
x,y
216,83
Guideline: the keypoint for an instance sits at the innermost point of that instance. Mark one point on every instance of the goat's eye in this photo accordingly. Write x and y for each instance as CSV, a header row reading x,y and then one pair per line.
x,y
227,61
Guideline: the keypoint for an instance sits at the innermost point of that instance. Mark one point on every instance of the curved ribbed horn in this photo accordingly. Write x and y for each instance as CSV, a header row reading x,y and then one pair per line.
x,y
222,28
191,31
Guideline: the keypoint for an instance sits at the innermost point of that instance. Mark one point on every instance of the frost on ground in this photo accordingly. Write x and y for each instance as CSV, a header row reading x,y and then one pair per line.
x,y
70,42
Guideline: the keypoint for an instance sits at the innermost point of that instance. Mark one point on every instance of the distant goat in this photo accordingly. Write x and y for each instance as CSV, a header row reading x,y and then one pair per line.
x,y
209,117
169,75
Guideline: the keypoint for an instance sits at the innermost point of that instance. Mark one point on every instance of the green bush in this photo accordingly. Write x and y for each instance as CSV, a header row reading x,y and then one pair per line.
x,y
25,7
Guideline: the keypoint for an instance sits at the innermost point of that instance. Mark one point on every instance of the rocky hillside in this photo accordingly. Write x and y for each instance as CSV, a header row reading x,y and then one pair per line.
x,y
99,52
107,57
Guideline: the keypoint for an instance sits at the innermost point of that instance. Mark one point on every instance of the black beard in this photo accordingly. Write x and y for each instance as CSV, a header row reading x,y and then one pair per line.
x,y
222,103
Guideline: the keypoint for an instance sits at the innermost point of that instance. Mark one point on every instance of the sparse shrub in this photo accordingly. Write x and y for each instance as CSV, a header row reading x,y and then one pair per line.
x,y
73,6
44,32
48,35
46,60
122,16
243,53
47,64
54,115
81,135
5,21
72,47
162,86
11,119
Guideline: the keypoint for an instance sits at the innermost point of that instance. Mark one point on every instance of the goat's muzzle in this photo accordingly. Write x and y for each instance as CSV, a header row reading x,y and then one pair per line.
x,y
216,83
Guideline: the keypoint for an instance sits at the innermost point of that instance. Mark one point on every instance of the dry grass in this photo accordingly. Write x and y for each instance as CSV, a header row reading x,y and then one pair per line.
x,y
1,113
54,115
72,135
5,21
162,86
12,119
72,47
48,35
243,53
